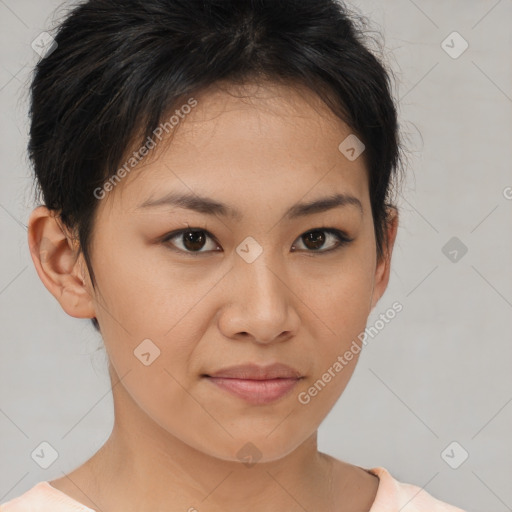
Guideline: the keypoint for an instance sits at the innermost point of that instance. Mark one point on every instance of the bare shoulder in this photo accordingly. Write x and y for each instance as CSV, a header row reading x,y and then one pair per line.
x,y
355,487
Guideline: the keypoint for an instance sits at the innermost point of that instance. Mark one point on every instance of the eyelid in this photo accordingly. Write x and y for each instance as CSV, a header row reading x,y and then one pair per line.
x,y
173,234
343,240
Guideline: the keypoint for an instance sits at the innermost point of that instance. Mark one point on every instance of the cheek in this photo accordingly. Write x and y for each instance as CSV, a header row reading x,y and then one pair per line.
x,y
341,302
342,314
340,293
144,291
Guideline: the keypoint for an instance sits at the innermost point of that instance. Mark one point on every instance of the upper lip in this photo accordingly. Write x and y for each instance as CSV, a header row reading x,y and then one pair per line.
x,y
255,372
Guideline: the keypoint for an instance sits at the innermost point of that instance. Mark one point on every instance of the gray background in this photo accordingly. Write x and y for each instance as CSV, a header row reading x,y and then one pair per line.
x,y
439,372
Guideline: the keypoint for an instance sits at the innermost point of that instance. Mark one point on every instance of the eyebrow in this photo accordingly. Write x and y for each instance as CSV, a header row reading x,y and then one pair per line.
x,y
210,206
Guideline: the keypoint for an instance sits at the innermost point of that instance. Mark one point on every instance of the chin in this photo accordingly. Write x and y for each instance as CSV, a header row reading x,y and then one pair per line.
x,y
257,448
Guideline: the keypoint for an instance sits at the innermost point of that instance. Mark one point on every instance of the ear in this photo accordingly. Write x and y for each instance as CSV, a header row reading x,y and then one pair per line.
x,y
383,267
58,263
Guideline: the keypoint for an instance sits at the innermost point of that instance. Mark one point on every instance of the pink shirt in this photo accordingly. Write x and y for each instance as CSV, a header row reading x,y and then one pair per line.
x,y
392,496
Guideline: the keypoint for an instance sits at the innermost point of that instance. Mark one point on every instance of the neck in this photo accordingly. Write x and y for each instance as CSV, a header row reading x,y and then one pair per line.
x,y
145,467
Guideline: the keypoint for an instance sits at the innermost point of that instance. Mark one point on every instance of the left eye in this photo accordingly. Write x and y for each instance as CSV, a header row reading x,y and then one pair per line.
x,y
193,240
315,239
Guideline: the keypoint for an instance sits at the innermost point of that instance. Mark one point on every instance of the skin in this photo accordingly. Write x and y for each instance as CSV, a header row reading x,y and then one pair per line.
x,y
176,436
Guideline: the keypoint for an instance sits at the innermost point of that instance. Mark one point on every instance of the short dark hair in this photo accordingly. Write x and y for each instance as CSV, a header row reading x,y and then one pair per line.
x,y
121,65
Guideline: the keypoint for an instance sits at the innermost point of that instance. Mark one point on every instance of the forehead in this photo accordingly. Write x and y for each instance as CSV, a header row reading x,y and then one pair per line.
x,y
268,140
278,117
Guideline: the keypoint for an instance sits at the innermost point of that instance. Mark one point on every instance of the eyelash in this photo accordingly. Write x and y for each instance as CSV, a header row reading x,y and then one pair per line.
x,y
343,240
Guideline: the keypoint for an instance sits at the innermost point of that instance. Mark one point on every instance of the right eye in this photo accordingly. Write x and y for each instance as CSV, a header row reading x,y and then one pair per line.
x,y
191,241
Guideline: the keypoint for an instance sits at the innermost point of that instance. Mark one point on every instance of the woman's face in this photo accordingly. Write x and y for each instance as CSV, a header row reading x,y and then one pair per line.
x,y
263,280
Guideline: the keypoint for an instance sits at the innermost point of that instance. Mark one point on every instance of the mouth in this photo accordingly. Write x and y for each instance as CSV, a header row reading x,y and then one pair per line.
x,y
257,385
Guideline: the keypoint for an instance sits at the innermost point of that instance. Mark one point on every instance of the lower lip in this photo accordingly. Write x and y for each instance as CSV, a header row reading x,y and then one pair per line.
x,y
256,391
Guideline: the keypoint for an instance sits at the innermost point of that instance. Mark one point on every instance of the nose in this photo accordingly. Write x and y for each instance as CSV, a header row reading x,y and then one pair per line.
x,y
261,306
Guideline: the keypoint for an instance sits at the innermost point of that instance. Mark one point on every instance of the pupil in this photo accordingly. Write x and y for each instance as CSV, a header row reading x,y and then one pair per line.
x,y
317,239
193,240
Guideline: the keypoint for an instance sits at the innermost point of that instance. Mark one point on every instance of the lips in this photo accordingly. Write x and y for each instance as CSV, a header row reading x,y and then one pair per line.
x,y
255,372
257,384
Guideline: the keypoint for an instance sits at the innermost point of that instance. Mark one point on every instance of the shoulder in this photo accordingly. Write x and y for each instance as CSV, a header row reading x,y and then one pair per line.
x,y
42,497
395,495
31,500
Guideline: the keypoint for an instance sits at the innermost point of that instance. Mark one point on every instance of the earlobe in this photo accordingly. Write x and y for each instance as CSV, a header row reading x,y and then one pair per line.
x,y
383,267
57,262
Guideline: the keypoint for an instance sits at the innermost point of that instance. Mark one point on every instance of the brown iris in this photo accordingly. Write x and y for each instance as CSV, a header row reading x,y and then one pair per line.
x,y
194,240
314,239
